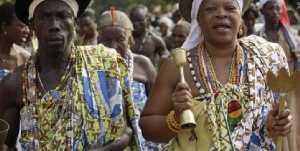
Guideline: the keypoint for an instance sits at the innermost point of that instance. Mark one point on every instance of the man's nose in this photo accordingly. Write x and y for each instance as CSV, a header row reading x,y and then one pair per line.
x,y
54,25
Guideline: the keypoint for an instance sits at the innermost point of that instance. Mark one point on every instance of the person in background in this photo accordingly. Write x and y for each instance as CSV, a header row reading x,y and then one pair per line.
x,y
176,14
166,25
249,18
67,97
179,34
275,30
115,31
225,86
87,29
146,43
12,33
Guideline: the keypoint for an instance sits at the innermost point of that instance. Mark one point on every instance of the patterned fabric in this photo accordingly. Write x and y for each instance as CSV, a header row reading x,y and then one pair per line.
x,y
3,73
139,94
139,97
252,99
100,87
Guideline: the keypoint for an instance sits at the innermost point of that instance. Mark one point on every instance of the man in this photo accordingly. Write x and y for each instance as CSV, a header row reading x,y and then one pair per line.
x,y
68,98
146,43
276,31
87,34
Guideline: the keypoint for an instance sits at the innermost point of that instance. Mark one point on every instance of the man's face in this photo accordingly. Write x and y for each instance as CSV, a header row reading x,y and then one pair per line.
x,y
87,26
272,11
139,20
53,22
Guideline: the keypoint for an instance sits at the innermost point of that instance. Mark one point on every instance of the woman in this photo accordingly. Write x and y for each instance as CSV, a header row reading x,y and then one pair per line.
x,y
115,32
12,32
249,18
225,86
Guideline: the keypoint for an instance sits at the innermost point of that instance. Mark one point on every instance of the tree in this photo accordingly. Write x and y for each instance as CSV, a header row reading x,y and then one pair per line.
x,y
155,6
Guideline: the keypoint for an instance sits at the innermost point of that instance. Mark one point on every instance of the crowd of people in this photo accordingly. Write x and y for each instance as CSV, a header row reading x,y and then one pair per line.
x,y
72,80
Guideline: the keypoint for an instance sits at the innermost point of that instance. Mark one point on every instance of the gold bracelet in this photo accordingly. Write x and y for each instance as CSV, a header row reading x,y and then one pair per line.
x,y
172,124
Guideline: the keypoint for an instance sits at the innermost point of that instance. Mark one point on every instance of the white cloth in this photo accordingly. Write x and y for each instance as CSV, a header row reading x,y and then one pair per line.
x,y
194,39
263,2
72,3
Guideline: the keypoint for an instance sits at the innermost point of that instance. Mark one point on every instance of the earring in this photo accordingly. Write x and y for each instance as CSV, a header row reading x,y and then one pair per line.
x,y
241,31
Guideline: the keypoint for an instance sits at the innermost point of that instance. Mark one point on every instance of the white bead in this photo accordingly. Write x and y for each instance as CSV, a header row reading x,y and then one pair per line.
x,y
193,72
202,90
191,66
195,79
198,85
190,59
188,53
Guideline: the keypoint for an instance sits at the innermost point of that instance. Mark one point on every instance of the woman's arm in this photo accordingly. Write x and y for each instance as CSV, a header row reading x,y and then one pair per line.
x,y
166,95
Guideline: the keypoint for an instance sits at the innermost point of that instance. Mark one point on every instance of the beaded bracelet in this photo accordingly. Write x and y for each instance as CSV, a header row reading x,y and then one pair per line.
x,y
172,124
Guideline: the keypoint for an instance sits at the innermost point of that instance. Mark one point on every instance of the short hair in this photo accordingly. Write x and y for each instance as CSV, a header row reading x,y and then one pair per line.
x,y
144,8
7,12
249,10
88,13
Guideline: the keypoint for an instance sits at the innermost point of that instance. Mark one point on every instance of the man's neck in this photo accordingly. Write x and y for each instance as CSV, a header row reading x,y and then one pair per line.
x,y
272,27
53,61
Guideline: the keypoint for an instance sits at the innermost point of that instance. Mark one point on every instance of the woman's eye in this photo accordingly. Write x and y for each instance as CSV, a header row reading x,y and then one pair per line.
x,y
210,8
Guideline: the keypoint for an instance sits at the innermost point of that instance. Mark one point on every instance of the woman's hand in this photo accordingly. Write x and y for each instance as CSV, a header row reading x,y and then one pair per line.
x,y
182,99
279,125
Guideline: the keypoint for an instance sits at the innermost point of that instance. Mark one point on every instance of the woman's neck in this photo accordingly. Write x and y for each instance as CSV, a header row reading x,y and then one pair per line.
x,y
220,51
5,46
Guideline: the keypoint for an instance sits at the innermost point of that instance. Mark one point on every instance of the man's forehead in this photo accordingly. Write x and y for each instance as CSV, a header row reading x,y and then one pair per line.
x,y
53,5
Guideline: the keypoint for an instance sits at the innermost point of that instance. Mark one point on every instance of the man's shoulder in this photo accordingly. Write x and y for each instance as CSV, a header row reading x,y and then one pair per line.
x,y
97,50
103,58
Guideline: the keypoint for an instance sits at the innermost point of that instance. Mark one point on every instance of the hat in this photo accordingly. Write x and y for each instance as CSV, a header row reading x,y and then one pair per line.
x,y
22,6
185,7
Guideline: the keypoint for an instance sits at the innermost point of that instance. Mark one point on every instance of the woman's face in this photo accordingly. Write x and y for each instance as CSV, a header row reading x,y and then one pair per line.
x,y
115,37
179,35
219,20
249,21
17,31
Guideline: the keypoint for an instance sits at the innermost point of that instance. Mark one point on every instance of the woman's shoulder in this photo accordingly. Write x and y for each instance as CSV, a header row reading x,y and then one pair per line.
x,y
260,46
271,54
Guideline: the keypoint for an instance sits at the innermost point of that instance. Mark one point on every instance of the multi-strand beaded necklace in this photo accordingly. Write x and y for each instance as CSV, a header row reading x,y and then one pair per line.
x,y
206,72
62,96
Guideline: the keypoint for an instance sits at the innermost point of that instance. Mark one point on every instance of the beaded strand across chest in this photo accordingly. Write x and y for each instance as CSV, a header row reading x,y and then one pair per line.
x,y
206,73
65,89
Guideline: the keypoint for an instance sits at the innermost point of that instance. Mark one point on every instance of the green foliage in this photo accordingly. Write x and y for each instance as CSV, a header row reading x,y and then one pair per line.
x,y
154,6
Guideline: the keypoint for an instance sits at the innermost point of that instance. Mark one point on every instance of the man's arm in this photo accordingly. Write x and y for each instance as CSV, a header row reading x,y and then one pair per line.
x,y
160,46
11,103
123,140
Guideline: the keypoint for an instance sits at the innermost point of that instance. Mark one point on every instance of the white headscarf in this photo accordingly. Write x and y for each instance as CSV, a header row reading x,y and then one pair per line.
x,y
263,2
194,39
72,3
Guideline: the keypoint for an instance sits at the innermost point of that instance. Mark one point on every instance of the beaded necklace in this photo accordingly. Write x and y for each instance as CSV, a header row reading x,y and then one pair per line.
x,y
66,98
206,71
129,61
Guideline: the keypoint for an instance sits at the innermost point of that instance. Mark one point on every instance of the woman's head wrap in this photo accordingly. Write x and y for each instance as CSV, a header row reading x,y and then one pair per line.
x,y
193,39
